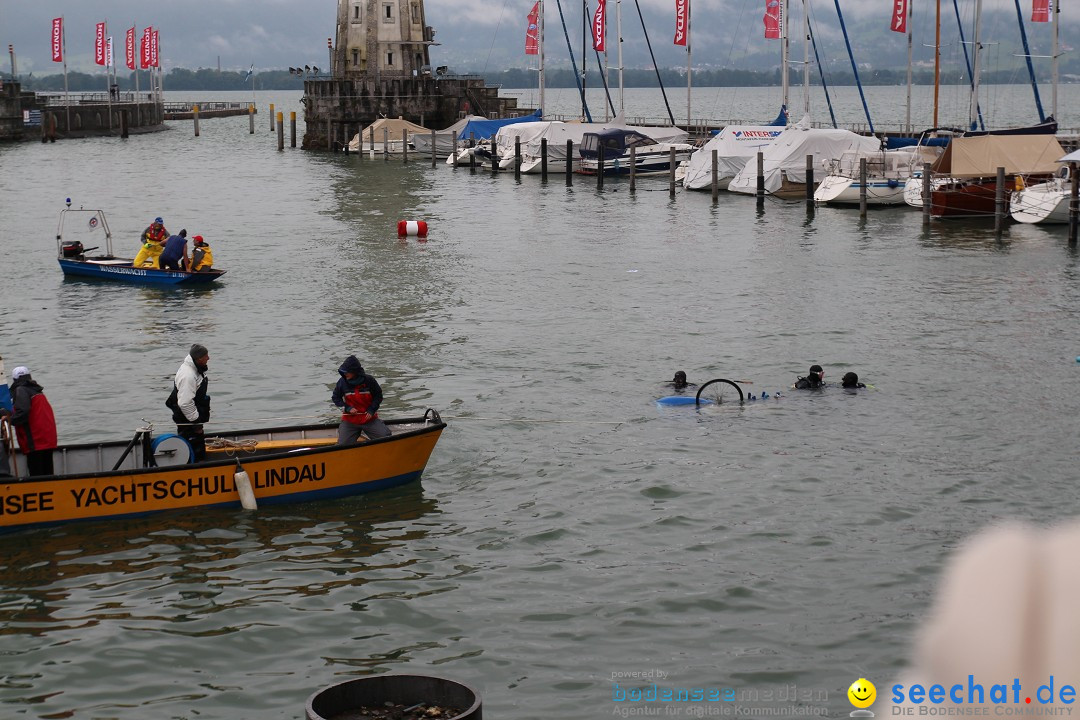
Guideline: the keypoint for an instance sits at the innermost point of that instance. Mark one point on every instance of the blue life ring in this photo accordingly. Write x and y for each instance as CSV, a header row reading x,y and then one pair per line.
x,y
172,442
893,183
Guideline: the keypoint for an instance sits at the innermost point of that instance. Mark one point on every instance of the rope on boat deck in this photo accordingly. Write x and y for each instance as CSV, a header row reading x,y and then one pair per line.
x,y
218,443
527,420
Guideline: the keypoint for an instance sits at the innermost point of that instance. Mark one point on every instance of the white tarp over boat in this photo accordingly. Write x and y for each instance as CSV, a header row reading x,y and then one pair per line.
x,y
734,145
786,156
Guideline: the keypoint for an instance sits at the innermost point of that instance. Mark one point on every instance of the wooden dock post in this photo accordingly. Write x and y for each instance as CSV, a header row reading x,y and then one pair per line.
x,y
124,124
1074,201
569,163
600,167
404,146
453,151
292,128
862,188
329,135
671,172
494,157
633,169
927,198
760,178
543,160
271,117
432,148
280,132
251,119
517,157
1001,210
195,117
810,180
386,144
715,175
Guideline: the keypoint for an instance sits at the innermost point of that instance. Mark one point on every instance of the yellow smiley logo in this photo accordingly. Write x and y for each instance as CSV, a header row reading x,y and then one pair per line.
x,y
862,693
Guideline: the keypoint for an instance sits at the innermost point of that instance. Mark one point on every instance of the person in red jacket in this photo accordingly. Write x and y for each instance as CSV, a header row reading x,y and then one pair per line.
x,y
359,396
34,422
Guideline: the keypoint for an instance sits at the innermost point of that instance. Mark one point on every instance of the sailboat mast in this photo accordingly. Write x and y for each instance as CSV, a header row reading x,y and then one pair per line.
x,y
541,39
909,57
784,52
973,110
806,59
937,61
688,4
1054,60
618,32
584,56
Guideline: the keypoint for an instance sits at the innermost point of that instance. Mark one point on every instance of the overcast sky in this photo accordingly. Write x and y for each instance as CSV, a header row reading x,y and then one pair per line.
x,y
474,35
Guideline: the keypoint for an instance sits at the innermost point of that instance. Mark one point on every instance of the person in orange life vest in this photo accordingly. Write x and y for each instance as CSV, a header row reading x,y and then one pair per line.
x,y
34,422
202,257
359,395
153,239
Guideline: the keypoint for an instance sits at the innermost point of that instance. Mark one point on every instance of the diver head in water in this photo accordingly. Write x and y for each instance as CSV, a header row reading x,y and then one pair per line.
x,y
679,381
851,380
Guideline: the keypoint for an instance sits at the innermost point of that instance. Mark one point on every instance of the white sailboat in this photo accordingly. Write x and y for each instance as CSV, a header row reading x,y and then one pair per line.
x,y
887,174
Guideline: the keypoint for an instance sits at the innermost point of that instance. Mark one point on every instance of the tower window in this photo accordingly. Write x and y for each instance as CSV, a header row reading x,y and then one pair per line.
x,y
388,12
357,17
355,57
389,59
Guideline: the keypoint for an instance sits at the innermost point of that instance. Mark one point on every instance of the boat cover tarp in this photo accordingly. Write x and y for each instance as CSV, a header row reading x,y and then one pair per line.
x,y
394,126
482,128
1019,154
734,145
786,156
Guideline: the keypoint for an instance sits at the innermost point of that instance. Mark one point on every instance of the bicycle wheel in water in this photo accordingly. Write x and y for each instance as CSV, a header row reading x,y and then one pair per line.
x,y
719,391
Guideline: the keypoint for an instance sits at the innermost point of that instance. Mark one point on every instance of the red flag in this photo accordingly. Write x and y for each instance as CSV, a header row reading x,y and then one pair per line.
x,y
532,33
681,8
99,44
598,27
1040,11
129,48
144,49
58,39
774,20
899,16
154,58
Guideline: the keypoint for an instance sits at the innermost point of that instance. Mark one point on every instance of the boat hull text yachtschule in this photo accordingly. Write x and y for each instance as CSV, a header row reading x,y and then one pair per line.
x,y
72,254
149,475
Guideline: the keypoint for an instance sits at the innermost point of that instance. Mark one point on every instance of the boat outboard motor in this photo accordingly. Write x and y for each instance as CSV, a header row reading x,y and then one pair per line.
x,y
72,249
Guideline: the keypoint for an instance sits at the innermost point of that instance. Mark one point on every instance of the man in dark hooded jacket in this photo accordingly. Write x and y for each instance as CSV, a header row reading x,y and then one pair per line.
x,y
359,396
34,422
813,381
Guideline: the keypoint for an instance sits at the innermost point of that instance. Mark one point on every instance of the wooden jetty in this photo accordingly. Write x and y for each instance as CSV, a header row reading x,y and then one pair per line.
x,y
186,110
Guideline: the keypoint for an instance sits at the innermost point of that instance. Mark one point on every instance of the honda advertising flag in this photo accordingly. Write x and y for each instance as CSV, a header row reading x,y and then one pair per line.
x,y
680,21
899,16
129,48
598,27
58,39
144,49
99,44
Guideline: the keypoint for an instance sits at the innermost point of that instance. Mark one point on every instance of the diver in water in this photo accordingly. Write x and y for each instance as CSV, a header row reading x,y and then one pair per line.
x,y
816,379
851,381
679,382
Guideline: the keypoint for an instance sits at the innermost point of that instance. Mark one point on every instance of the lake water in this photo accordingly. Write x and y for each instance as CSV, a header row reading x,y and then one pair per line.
x,y
568,533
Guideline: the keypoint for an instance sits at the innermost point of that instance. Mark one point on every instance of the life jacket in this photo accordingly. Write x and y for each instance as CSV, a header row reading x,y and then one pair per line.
x,y
40,432
201,256
154,236
360,398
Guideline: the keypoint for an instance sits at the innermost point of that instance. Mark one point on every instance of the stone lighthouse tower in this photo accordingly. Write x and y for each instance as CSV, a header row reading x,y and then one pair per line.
x,y
382,39
382,68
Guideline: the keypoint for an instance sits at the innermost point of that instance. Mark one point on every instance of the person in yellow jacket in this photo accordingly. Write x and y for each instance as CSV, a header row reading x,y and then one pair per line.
x,y
202,257
153,240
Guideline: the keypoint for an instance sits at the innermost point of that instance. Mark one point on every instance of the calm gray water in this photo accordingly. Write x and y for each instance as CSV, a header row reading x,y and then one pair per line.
x,y
568,531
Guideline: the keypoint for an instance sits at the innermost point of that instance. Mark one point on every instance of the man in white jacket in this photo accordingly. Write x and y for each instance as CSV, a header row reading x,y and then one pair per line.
x,y
189,400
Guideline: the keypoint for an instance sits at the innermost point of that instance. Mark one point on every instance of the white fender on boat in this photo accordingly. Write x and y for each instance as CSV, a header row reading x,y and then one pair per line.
x,y
243,487
411,228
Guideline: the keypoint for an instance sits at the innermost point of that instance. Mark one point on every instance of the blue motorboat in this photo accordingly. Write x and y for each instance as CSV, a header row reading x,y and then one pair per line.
x,y
75,260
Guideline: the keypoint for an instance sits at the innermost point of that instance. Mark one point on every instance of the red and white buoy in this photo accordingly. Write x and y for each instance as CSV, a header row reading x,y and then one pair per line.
x,y
412,228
